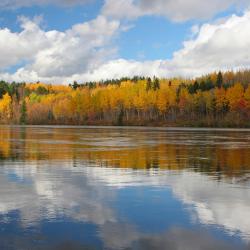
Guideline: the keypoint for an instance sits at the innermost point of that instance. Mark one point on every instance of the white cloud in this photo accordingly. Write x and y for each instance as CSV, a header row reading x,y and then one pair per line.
x,y
13,4
15,47
85,52
177,10
223,45
51,54
121,9
220,46
121,68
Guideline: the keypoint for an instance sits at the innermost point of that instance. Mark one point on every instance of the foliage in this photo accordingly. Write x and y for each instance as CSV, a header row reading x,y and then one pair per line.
x,y
217,99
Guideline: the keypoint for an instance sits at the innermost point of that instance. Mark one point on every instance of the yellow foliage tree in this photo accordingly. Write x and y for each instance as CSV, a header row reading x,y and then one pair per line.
x,y
5,107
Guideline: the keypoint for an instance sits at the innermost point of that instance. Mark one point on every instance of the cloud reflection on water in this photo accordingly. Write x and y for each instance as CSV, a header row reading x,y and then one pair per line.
x,y
86,195
77,181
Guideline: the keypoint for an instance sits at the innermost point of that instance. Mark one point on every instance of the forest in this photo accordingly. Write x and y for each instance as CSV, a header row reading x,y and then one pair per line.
x,y
219,99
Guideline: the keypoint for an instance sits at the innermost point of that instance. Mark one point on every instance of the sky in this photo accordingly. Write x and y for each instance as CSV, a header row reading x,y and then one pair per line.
x,y
61,41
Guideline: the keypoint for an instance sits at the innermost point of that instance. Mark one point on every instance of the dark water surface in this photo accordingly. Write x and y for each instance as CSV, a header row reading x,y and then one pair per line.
x,y
124,188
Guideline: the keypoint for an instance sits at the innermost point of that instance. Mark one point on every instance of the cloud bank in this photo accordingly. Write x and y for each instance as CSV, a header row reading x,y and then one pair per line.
x,y
224,44
49,55
87,51
176,10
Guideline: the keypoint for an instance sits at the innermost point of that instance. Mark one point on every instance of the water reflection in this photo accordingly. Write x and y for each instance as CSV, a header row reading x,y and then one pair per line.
x,y
216,152
124,189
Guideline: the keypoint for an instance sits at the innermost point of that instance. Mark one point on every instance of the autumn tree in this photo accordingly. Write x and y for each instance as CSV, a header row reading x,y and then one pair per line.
x,y
215,99
235,97
5,107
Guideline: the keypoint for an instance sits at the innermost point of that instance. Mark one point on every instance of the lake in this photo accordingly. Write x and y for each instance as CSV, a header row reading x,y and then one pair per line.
x,y
124,188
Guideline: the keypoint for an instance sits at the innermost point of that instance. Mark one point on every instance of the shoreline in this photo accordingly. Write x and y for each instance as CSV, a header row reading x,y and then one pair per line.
x,y
162,128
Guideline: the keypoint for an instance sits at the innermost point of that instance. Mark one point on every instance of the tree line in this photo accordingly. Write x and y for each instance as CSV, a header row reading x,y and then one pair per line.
x,y
218,99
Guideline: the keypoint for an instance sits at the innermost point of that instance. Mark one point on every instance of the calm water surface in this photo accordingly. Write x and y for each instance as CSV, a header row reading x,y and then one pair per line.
x,y
124,188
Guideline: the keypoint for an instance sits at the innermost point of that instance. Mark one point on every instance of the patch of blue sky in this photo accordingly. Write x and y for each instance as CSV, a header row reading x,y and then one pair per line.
x,y
54,17
15,67
153,38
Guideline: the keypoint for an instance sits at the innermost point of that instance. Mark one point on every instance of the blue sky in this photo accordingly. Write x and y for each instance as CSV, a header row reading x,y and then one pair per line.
x,y
65,40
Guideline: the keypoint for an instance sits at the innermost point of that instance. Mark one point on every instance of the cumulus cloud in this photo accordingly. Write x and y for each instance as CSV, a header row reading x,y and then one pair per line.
x,y
122,68
52,53
222,45
181,10
86,52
